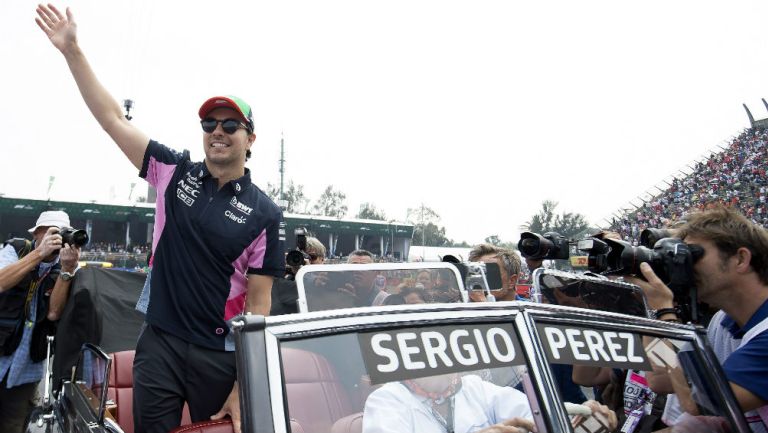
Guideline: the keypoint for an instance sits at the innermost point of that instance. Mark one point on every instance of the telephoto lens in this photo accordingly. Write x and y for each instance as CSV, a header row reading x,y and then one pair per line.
x,y
73,237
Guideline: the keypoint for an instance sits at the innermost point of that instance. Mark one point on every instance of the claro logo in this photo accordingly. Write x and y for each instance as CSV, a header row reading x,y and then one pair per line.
x,y
236,218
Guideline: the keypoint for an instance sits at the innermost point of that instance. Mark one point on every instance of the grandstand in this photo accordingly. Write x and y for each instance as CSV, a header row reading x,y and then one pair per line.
x,y
733,175
128,228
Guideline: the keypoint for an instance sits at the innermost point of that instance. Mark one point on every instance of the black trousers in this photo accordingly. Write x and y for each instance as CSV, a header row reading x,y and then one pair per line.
x,y
15,405
167,371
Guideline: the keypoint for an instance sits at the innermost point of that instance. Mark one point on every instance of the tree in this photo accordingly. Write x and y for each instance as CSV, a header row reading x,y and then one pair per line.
x,y
422,215
369,212
331,203
431,235
426,231
294,196
567,224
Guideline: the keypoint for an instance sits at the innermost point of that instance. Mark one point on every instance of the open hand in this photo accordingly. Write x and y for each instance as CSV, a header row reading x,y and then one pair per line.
x,y
60,29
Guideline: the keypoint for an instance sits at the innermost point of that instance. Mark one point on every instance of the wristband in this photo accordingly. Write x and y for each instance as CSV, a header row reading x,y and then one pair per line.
x,y
660,312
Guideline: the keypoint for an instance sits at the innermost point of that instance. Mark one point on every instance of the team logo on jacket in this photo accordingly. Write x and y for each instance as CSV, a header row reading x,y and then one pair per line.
x,y
240,206
186,193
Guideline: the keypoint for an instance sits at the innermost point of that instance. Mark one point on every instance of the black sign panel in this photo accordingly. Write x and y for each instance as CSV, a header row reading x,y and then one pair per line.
x,y
595,347
419,352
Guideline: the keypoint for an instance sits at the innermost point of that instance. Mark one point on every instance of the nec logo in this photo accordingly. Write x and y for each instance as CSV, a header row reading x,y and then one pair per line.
x,y
240,206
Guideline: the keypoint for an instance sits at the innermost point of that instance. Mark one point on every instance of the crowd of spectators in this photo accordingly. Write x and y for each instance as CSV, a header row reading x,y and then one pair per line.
x,y
735,177
114,247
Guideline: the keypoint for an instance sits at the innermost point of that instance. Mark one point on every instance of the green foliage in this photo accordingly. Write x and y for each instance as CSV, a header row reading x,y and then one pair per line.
x,y
568,224
294,195
369,212
430,235
331,203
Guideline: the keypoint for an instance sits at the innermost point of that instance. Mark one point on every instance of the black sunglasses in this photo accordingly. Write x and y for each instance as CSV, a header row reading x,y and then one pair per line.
x,y
230,126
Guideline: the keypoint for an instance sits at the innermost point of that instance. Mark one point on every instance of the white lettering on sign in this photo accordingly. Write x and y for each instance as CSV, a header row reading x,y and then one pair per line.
x,y
481,346
508,354
556,340
459,347
596,345
572,335
436,350
465,353
613,348
633,357
588,345
380,350
406,352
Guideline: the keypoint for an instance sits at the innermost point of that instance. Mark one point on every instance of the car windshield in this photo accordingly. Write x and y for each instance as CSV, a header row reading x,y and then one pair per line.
x,y
585,291
414,379
331,287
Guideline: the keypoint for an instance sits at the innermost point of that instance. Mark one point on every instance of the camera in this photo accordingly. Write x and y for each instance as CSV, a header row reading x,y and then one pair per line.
x,y
550,245
295,258
670,258
477,276
597,253
73,237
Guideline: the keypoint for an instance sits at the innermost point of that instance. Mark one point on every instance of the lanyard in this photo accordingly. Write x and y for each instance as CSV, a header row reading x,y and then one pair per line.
x,y
33,285
448,424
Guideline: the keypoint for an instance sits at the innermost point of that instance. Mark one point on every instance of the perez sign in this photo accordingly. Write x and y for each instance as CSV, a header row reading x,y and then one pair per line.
x,y
595,347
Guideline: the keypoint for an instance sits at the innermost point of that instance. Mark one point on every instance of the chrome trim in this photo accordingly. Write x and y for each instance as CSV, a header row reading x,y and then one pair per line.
x,y
541,378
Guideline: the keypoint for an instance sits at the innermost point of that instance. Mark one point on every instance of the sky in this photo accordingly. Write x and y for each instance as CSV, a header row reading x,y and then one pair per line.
x,y
479,110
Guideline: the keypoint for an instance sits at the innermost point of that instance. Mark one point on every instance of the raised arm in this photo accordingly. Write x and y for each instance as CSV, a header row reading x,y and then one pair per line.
x,y
62,32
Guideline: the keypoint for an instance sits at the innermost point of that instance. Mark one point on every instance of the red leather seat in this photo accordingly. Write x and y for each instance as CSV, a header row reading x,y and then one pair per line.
x,y
316,397
221,426
349,424
121,390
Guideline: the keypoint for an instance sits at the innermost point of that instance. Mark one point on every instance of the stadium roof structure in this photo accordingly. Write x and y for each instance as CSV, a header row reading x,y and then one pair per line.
x,y
145,212
317,223
141,212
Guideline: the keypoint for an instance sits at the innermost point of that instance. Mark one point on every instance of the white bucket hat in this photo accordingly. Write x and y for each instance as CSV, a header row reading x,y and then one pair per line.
x,y
51,218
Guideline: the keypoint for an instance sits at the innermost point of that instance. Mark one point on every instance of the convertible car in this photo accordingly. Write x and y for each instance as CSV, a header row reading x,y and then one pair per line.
x,y
353,362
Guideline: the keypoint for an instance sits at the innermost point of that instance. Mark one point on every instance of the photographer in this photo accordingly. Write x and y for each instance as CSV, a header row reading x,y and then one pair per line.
x,y
34,285
732,275
284,293
509,265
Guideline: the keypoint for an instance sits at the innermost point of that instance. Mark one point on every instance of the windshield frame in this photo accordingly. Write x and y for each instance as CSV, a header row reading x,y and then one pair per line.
x,y
693,334
348,267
